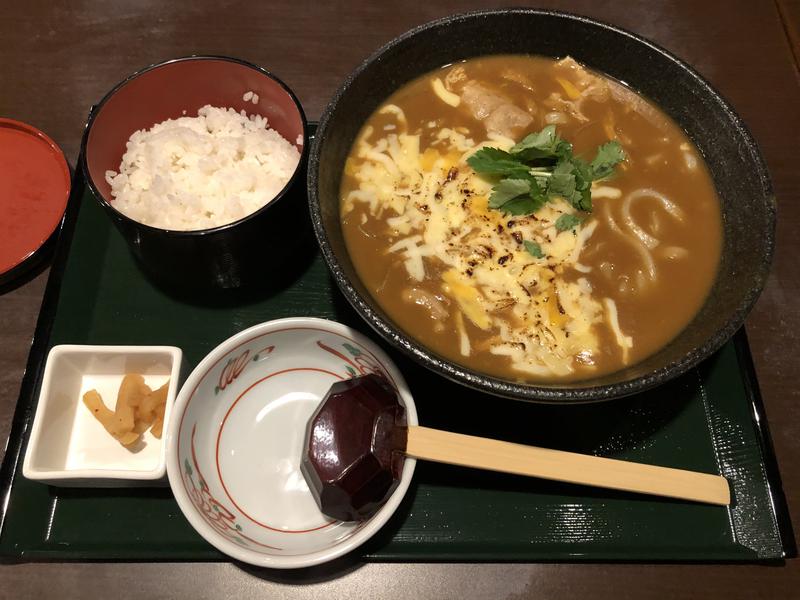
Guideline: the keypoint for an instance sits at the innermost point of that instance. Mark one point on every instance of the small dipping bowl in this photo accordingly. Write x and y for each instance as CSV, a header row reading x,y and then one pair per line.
x,y
68,446
228,256
235,442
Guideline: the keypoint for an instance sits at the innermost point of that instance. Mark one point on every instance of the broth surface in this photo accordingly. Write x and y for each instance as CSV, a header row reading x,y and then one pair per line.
x,y
654,235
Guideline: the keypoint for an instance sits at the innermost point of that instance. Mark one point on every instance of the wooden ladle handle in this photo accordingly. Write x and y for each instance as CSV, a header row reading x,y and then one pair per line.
x,y
493,455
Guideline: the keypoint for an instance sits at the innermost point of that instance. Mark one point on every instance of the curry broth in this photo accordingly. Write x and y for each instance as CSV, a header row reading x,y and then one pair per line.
x,y
659,157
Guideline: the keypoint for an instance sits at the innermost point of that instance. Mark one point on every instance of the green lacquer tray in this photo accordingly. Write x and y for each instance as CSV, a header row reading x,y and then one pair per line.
x,y
710,420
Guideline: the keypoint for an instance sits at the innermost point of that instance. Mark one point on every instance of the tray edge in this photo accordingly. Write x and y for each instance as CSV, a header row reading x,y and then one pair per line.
x,y
26,402
40,345
775,492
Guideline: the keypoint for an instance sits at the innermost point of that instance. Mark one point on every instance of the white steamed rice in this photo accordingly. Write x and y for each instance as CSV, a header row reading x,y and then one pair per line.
x,y
200,172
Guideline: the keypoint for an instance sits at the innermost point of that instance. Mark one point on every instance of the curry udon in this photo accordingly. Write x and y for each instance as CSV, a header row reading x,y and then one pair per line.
x,y
553,293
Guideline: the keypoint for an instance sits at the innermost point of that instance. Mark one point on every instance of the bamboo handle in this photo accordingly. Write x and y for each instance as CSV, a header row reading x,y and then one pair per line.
x,y
493,455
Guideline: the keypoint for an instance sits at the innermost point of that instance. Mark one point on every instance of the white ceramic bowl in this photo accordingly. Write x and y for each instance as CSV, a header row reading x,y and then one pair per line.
x,y
235,442
68,446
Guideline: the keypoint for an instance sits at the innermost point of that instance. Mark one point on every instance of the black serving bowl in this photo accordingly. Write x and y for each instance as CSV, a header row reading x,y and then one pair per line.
x,y
230,256
738,170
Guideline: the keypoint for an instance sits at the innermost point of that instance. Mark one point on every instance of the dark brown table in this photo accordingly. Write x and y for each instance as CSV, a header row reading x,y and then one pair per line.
x,y
58,57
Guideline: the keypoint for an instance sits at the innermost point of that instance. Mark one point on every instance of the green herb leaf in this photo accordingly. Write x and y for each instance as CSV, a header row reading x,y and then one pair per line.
x,y
524,205
537,195
508,189
517,196
562,183
493,161
542,145
542,167
536,145
609,155
546,138
566,222
584,203
583,185
572,180
533,249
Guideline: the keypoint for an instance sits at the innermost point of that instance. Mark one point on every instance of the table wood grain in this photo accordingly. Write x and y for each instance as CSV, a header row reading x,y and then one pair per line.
x,y
57,58
789,11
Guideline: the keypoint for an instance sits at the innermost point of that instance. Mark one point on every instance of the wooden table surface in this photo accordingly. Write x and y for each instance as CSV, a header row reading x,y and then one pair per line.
x,y
59,57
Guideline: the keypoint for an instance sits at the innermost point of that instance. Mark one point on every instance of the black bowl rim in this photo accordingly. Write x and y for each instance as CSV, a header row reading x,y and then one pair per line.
x,y
95,110
531,392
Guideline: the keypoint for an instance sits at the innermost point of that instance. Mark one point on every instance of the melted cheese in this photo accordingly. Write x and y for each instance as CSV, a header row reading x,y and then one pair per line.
x,y
468,297
538,312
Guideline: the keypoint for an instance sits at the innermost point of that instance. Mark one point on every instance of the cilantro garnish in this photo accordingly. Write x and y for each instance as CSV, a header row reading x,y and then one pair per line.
x,y
534,249
493,161
566,222
609,155
517,196
508,189
542,167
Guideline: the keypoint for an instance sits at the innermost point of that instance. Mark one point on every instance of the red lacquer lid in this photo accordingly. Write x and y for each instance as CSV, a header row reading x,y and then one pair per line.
x,y
34,188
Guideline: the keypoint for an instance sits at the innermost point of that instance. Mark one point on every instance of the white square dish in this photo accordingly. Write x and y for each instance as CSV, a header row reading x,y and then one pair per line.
x,y
68,445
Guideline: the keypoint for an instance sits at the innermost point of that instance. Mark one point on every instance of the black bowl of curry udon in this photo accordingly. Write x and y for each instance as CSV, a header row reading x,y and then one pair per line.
x,y
541,206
